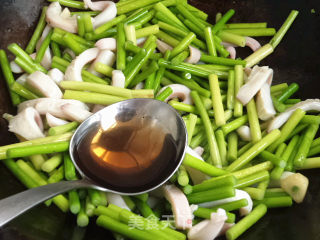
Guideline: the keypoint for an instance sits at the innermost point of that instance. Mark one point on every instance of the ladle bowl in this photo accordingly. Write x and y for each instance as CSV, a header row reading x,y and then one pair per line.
x,y
161,112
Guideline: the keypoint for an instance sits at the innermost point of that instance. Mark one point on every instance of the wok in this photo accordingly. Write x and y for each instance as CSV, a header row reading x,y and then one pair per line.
x,y
296,59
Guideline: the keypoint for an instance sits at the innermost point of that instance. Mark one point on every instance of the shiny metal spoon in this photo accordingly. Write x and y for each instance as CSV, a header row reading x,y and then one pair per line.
x,y
15,205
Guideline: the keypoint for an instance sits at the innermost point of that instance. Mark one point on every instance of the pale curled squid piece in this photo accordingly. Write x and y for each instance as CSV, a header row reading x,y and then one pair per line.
x,y
56,75
240,194
107,44
51,105
75,113
43,84
307,105
106,57
232,51
57,18
256,79
54,121
27,124
180,206
179,91
252,43
194,56
264,103
244,133
199,150
15,68
139,86
74,70
118,79
108,11
96,6
117,200
162,46
209,229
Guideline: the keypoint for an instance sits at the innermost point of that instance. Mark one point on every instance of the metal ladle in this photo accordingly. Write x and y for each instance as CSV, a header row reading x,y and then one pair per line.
x,y
15,205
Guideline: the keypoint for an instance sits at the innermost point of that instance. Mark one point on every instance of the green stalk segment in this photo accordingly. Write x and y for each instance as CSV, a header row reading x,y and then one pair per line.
x,y
52,163
38,32
183,44
211,195
222,21
54,131
275,202
232,38
222,146
221,60
210,42
245,223
284,28
254,151
304,147
278,170
235,124
245,25
40,149
108,25
70,3
95,98
289,126
35,142
202,166
121,52
253,179
232,153
216,100
214,183
258,55
206,213
253,121
238,82
252,32
213,146
7,73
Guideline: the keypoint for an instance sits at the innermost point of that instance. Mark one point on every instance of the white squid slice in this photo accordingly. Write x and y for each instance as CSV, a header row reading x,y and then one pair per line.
x,y
56,75
56,19
108,13
195,55
96,6
54,121
180,206
264,103
240,194
44,84
244,133
162,46
252,43
107,44
232,51
179,91
75,113
257,78
209,229
118,79
73,72
27,124
307,105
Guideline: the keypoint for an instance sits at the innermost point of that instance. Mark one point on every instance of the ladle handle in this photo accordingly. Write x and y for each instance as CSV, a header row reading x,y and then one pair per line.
x,y
17,204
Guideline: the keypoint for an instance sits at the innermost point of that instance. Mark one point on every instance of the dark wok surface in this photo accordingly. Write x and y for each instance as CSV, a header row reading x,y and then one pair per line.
x,y
296,59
